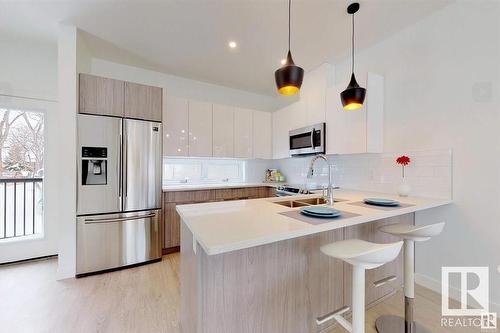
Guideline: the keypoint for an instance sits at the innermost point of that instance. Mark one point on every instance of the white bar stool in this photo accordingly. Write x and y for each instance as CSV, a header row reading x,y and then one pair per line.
x,y
410,234
361,255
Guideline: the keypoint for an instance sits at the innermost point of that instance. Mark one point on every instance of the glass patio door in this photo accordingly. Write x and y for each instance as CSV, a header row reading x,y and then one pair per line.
x,y
25,232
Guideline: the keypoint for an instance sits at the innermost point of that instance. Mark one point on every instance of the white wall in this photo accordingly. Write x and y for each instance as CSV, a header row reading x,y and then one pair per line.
x,y
28,68
182,87
442,91
68,106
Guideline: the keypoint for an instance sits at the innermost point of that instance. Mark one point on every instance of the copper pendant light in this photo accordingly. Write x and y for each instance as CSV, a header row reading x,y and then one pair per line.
x,y
289,77
353,96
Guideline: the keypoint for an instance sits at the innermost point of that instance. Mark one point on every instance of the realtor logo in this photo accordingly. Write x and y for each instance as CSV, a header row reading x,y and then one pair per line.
x,y
477,292
474,297
488,320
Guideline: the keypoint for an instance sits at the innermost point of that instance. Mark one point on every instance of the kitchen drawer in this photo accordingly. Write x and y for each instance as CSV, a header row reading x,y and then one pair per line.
x,y
181,197
240,193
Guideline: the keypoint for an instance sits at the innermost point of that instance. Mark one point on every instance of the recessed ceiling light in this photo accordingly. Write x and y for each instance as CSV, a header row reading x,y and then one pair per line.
x,y
283,61
232,44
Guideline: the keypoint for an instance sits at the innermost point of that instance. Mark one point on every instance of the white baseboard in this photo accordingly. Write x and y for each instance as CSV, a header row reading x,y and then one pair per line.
x,y
454,293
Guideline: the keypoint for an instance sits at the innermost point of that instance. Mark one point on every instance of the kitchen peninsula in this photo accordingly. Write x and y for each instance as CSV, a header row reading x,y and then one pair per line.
x,y
255,265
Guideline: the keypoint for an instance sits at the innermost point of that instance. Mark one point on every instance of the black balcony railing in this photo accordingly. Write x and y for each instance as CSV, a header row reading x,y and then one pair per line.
x,y
21,207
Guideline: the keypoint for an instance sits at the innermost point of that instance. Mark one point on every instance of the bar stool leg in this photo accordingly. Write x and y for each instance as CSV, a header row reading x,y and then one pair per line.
x,y
358,299
396,324
409,284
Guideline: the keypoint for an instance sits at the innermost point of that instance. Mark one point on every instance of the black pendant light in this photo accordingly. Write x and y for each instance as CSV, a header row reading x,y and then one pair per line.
x,y
353,96
289,76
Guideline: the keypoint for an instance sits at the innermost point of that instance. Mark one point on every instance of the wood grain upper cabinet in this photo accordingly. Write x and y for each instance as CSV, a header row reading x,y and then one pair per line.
x,y
175,129
200,129
223,131
101,96
243,133
143,102
262,135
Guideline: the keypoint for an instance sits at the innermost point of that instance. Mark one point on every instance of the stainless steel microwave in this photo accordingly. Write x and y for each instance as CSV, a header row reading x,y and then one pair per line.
x,y
308,140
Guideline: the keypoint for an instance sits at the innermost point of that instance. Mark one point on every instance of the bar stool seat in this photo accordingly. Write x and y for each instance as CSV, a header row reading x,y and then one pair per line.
x,y
361,255
413,232
410,234
358,252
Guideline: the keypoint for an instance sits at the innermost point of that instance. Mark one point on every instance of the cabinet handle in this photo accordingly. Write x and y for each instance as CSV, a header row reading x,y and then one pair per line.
x,y
383,281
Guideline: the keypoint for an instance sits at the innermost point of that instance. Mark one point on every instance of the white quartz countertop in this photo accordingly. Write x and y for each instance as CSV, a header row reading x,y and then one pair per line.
x,y
193,187
221,227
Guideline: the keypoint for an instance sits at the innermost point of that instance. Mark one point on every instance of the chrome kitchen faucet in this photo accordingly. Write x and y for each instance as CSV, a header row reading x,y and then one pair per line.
x,y
310,173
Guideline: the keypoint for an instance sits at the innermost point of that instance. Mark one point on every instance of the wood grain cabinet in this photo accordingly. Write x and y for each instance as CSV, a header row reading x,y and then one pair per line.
x,y
171,219
143,102
109,97
101,96
369,232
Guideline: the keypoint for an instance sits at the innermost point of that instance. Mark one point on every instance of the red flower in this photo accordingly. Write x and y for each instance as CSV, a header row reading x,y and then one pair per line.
x,y
403,160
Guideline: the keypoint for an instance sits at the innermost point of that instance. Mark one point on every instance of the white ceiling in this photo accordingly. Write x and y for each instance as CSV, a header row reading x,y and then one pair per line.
x,y
189,38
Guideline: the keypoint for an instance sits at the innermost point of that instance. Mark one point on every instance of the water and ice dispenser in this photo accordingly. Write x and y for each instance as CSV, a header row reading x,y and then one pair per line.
x,y
94,165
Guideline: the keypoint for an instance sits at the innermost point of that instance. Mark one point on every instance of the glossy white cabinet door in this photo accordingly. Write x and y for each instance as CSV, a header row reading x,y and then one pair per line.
x,y
243,133
357,131
200,129
223,131
262,135
314,93
175,133
282,123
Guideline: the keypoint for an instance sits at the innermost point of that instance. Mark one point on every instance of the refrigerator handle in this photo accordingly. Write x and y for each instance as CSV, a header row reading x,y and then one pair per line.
x,y
121,219
120,174
125,160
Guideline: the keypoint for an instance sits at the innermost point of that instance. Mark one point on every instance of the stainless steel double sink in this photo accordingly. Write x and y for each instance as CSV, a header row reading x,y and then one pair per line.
x,y
304,202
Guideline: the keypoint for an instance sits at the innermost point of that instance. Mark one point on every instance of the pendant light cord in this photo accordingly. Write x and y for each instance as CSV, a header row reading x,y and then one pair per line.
x,y
352,40
289,24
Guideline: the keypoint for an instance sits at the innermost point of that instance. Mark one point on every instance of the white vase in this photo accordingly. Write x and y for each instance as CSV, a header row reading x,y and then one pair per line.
x,y
404,189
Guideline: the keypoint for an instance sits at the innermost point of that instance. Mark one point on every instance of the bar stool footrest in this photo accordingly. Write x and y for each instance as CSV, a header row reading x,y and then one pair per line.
x,y
332,315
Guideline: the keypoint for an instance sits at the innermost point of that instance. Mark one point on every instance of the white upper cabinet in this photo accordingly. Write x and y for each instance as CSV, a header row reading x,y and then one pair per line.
x,y
223,131
347,132
313,94
243,133
357,131
262,138
175,132
200,129
282,123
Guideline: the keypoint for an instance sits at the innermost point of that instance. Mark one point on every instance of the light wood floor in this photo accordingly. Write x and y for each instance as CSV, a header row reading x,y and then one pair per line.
x,y
144,299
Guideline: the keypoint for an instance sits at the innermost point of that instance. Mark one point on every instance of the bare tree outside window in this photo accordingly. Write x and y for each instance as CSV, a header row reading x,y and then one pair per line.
x,y
21,172
21,143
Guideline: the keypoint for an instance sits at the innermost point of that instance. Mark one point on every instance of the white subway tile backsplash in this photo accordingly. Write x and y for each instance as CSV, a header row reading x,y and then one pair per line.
x,y
429,173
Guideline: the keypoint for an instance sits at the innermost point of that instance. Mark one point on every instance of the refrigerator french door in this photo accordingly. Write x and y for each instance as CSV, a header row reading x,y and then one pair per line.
x,y
119,192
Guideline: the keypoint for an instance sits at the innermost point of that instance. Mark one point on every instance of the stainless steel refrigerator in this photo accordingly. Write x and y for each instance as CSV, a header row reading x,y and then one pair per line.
x,y
119,193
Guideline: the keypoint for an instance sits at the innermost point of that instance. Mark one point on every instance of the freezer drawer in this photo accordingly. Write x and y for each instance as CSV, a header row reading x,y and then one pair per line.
x,y
115,240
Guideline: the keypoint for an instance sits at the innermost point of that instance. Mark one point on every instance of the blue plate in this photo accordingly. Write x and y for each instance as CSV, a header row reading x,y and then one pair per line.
x,y
321,210
381,202
305,212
